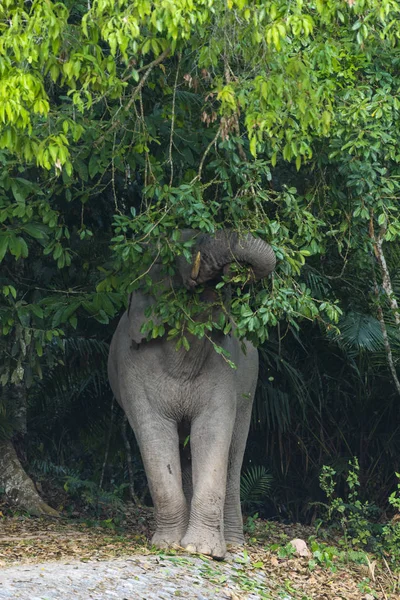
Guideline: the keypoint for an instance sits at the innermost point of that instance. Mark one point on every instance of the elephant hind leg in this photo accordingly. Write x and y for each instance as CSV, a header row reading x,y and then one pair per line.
x,y
233,520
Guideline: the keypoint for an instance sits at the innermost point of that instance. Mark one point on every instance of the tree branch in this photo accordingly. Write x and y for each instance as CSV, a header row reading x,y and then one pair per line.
x,y
145,77
171,137
151,64
207,150
137,90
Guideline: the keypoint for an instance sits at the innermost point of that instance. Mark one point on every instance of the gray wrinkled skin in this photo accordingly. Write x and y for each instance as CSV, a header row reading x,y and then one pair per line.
x,y
167,393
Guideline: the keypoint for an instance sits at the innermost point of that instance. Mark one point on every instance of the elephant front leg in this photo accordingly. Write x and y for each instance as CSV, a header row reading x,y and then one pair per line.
x,y
159,446
210,440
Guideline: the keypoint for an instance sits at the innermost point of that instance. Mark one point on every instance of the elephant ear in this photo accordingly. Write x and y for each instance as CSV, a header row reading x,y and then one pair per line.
x,y
138,303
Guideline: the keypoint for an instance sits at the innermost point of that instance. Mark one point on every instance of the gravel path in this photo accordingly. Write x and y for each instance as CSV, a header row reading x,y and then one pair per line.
x,y
139,577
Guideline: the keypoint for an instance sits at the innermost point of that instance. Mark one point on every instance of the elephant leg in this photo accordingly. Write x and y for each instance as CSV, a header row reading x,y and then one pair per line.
x,y
210,440
233,521
159,446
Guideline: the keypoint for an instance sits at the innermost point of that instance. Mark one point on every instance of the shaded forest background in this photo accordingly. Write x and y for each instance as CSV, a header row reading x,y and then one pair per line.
x,y
122,122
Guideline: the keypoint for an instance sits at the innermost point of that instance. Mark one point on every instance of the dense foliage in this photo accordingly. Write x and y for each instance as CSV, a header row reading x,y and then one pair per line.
x,y
121,122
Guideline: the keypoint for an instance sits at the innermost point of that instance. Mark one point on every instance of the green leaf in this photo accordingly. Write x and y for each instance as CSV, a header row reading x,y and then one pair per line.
x,y
37,310
35,230
3,245
253,146
93,165
23,247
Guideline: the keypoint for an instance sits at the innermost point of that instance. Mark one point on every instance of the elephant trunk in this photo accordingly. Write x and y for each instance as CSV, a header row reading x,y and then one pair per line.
x,y
257,253
224,248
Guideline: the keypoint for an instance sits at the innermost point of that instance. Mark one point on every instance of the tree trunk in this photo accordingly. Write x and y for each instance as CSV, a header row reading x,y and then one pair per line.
x,y
388,288
377,241
388,349
16,484
19,408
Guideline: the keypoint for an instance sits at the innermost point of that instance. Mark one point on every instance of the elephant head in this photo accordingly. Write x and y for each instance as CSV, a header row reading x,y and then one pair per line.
x,y
211,257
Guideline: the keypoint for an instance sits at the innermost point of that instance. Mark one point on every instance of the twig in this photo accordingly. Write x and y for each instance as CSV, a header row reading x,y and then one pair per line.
x,y
383,591
103,470
136,91
42,289
113,174
345,262
148,270
171,137
148,163
128,450
371,568
151,64
242,154
390,571
145,77
207,150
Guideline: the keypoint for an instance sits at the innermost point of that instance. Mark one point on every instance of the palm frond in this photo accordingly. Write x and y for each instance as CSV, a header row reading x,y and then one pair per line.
x,y
86,346
318,283
292,376
361,332
396,281
189,97
255,485
271,407
48,468
279,382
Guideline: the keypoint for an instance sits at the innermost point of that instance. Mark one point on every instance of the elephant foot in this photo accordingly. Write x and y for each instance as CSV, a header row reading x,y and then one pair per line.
x,y
170,538
233,539
206,541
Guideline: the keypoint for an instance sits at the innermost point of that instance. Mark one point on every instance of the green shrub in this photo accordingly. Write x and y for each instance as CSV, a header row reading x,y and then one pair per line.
x,y
360,520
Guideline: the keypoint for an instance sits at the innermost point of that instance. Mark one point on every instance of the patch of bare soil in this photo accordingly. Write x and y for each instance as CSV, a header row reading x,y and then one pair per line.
x,y
258,571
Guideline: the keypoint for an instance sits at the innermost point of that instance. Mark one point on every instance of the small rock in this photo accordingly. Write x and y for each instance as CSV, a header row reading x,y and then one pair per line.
x,y
300,547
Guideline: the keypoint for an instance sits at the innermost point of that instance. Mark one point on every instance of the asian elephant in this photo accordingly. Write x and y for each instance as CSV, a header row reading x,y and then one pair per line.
x,y
168,393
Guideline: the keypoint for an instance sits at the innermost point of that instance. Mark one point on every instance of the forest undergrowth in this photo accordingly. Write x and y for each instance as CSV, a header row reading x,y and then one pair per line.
x,y
268,565
347,553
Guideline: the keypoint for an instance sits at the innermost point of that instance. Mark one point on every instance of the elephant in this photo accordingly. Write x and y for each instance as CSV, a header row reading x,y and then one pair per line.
x,y
168,393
